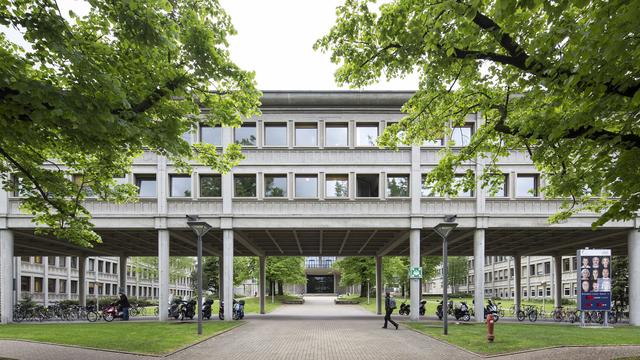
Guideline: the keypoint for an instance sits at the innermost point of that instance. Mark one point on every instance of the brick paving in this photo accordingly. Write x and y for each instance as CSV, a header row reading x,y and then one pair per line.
x,y
316,330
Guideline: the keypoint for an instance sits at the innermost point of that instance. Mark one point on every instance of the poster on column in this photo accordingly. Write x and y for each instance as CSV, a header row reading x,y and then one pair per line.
x,y
594,279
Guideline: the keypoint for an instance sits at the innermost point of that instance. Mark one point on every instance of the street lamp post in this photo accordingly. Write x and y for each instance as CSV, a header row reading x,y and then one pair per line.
x,y
200,228
368,291
444,229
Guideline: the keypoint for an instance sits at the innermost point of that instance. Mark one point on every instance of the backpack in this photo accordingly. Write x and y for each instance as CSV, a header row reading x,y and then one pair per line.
x,y
392,303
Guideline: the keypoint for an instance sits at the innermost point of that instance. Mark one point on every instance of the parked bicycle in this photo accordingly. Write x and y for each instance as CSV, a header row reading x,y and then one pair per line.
x,y
529,312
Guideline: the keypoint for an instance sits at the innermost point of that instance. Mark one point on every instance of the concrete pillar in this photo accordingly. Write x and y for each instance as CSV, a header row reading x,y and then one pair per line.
x,y
122,274
414,258
478,261
557,281
517,276
82,280
45,280
379,288
68,262
220,278
163,274
634,277
18,276
262,282
6,276
227,254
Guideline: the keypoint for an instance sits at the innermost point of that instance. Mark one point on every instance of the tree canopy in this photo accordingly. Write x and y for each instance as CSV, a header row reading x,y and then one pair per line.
x,y
557,80
90,92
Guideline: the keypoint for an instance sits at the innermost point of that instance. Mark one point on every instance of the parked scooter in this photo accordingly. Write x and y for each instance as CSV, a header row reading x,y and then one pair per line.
x,y
462,312
404,308
238,310
174,309
492,308
206,309
111,312
187,309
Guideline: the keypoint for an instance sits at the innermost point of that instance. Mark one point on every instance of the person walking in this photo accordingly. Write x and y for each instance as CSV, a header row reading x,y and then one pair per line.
x,y
389,306
124,305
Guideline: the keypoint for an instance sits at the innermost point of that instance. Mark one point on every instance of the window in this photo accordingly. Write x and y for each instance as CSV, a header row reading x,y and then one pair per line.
x,y
100,266
398,185
121,180
211,135
547,267
180,185
37,259
306,134
337,186
532,270
567,291
25,259
74,286
51,260
566,264
540,269
146,185
275,134
540,292
275,185
51,285
74,262
210,185
459,178
91,288
246,134
502,189
574,261
524,292
527,186
306,186
244,185
114,268
80,181
366,134
25,283
107,289
336,134
426,189
62,261
432,143
461,136
37,284
367,185
92,264
186,136
512,272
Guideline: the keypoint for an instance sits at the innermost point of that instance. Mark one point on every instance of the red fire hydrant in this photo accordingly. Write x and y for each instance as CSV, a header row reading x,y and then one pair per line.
x,y
490,323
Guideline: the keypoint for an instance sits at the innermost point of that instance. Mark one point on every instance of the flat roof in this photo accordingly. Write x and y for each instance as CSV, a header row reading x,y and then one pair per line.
x,y
335,98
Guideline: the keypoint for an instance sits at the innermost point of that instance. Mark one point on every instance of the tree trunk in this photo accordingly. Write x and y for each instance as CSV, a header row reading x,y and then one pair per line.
x,y
363,289
402,290
280,292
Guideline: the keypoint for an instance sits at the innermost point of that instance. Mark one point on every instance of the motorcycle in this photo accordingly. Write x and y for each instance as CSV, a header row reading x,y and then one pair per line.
x,y
174,309
187,309
206,309
405,309
238,310
439,309
492,308
111,312
462,312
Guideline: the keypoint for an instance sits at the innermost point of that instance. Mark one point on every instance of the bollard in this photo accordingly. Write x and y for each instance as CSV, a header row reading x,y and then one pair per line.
x,y
490,324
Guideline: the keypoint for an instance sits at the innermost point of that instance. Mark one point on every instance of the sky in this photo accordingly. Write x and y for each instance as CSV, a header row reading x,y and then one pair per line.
x,y
275,39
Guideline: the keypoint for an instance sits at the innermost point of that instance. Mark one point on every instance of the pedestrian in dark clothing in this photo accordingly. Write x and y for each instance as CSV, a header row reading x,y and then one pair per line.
x,y
124,305
389,306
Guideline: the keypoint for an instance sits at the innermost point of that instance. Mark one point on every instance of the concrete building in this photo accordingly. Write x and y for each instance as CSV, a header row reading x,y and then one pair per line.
x,y
49,279
313,183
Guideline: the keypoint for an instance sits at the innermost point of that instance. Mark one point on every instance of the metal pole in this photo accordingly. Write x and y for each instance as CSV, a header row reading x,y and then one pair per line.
x,y
368,291
445,285
200,285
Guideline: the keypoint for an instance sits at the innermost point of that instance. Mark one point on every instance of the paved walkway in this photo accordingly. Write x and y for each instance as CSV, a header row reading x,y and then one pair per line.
x,y
316,330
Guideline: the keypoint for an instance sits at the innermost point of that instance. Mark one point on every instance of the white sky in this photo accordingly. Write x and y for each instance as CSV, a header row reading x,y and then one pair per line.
x,y
275,40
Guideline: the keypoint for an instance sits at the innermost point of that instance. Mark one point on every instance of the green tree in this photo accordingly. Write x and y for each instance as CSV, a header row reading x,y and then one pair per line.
x,y
210,274
285,270
356,270
457,272
620,286
90,93
557,80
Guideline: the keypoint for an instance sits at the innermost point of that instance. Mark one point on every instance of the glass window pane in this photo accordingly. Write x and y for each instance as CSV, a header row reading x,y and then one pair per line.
x,y
245,185
146,185
211,135
186,136
275,134
336,135
461,136
306,185
337,186
426,188
245,135
180,185
502,190
397,185
526,186
306,134
366,134
432,143
210,185
275,185
462,192
367,185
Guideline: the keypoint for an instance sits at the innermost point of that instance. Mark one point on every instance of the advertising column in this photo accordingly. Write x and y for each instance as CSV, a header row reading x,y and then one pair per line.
x,y
594,281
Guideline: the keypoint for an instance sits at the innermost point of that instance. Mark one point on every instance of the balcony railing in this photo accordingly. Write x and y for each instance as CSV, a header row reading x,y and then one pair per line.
x,y
316,265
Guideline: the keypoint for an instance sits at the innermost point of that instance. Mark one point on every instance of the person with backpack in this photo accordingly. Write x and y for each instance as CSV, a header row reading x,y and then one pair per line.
x,y
389,306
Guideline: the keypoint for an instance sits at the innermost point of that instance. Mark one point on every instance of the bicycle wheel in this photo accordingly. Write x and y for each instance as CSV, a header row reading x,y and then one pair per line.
x,y
557,316
18,315
108,317
520,316
613,317
92,316
533,316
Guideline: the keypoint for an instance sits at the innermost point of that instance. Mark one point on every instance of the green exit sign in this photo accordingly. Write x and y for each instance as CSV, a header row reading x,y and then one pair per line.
x,y
415,273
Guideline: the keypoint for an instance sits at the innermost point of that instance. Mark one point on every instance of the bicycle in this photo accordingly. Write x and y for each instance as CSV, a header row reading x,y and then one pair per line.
x,y
558,314
530,312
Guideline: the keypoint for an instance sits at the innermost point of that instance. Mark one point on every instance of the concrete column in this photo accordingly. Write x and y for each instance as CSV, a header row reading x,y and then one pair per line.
x,y
227,254
478,261
18,277
122,274
82,280
163,274
45,280
517,276
414,258
6,276
262,282
68,262
379,288
634,277
220,278
557,281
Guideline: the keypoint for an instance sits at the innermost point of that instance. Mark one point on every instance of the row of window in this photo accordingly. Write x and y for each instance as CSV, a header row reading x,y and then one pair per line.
x,y
60,286
305,134
306,185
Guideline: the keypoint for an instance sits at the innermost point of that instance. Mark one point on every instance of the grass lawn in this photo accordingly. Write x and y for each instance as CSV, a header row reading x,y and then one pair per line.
x,y
252,304
515,337
155,338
